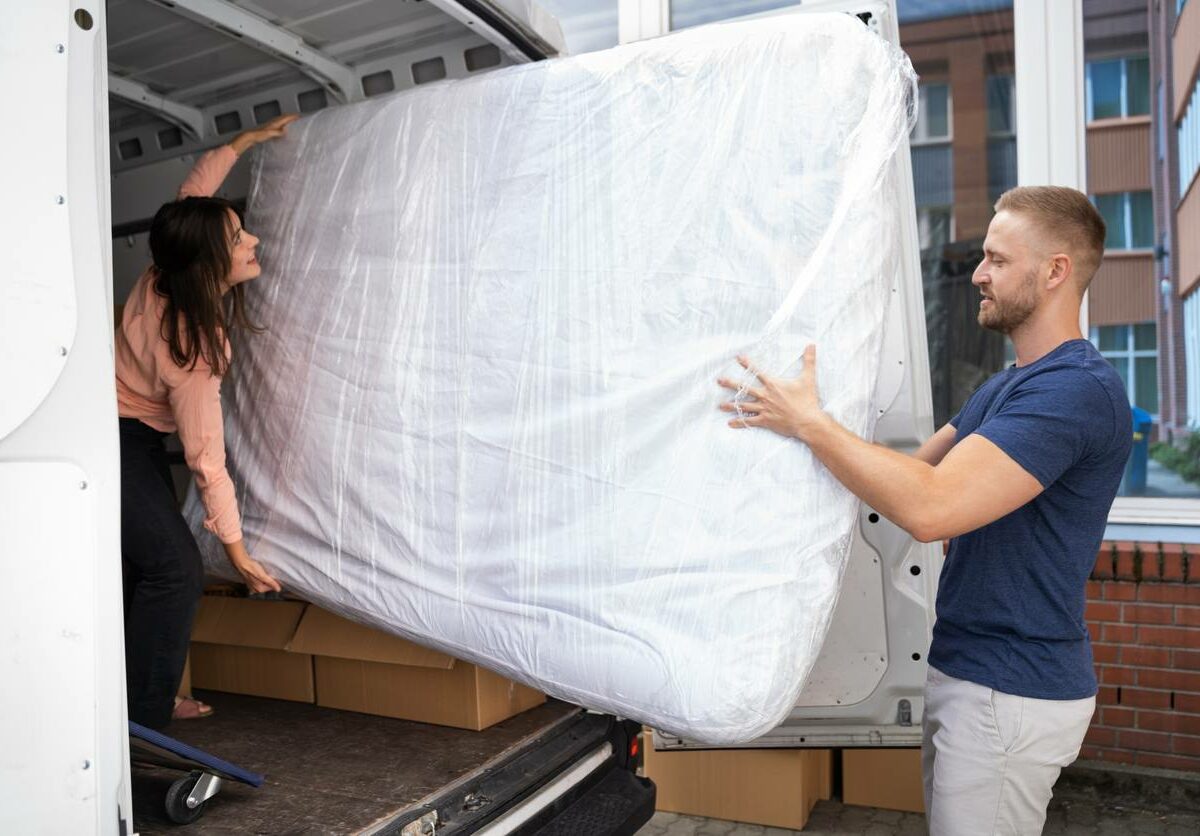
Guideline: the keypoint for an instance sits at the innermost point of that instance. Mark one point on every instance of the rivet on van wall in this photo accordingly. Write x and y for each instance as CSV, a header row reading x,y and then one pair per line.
x,y
83,486
60,200
60,48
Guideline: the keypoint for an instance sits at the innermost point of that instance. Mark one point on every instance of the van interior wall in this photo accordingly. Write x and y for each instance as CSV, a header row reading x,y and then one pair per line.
x,y
434,49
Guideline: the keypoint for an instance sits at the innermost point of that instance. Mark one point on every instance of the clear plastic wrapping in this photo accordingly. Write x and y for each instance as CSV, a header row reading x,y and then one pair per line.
x,y
483,415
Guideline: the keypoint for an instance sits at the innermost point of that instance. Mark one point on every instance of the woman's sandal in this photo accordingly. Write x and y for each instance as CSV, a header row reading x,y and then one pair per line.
x,y
187,708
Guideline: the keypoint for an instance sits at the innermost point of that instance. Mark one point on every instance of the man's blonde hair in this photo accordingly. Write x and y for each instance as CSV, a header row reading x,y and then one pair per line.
x,y
1067,218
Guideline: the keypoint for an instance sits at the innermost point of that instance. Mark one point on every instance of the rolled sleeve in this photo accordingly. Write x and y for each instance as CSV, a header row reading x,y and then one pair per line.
x,y
195,397
208,173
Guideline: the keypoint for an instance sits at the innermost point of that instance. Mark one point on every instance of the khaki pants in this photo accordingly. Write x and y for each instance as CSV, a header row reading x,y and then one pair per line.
x,y
990,759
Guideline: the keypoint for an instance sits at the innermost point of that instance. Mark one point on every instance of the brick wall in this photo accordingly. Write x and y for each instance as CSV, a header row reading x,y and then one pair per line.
x,y
1143,613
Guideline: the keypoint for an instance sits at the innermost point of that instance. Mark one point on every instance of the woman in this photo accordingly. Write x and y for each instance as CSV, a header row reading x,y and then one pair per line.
x,y
171,352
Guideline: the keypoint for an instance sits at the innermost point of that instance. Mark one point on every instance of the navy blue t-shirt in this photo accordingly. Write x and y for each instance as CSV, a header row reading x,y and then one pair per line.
x,y
1011,595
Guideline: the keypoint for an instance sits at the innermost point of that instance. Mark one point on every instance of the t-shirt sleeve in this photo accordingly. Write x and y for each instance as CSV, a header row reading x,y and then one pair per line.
x,y
1051,422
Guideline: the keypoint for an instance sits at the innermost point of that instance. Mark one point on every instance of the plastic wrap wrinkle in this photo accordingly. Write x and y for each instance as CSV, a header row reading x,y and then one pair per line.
x,y
483,413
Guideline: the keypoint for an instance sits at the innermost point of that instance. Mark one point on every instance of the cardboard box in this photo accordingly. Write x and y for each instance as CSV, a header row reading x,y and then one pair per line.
x,y
360,669
772,787
239,645
887,778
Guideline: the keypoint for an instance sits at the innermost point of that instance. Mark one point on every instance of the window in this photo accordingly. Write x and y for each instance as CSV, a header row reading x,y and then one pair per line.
x,y
1118,87
935,225
933,114
1129,217
1189,141
1001,106
1002,135
1191,352
1133,351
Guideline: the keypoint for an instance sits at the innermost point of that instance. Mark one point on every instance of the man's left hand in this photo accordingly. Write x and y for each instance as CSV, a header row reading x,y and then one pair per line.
x,y
790,407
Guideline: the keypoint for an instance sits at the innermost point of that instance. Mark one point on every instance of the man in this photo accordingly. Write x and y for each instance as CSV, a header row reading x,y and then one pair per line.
x,y
1021,480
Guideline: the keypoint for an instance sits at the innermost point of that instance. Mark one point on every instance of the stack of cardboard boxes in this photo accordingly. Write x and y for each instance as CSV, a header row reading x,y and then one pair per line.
x,y
291,650
772,787
780,787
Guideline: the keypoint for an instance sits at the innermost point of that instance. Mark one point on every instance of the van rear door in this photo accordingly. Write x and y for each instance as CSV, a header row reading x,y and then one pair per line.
x,y
865,688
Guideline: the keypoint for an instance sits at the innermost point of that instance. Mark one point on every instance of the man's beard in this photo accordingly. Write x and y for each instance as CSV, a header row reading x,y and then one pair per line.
x,y
1008,315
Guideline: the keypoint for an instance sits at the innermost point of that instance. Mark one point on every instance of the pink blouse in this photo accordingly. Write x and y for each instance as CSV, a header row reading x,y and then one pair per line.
x,y
152,389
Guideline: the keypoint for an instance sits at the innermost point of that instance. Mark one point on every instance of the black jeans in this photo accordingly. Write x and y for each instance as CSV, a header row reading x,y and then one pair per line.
x,y
164,576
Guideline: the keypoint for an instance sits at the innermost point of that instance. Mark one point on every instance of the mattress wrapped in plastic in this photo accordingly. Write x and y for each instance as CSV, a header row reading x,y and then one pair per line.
x,y
483,414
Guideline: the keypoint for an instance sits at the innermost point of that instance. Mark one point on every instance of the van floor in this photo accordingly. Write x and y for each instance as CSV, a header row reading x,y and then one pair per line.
x,y
327,771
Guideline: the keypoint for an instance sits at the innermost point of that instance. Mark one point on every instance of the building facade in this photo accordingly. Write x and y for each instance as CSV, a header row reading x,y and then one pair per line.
x,y
964,154
1177,28
1124,306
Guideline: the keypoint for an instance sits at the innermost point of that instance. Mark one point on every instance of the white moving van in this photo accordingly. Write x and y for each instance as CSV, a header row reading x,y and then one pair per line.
x,y
115,100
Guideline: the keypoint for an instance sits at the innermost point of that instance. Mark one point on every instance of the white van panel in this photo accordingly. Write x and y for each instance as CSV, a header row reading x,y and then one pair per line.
x,y
60,539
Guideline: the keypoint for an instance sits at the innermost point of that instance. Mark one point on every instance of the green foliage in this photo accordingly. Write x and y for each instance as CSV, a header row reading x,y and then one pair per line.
x,y
1183,458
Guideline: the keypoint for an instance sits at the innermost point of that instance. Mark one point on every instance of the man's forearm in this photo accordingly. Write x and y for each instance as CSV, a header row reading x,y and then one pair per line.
x,y
952,486
898,486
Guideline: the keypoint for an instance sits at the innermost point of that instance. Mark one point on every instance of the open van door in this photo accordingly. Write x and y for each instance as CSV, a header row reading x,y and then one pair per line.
x,y
64,754
865,688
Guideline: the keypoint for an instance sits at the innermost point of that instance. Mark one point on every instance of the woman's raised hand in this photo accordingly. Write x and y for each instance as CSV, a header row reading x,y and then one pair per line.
x,y
277,127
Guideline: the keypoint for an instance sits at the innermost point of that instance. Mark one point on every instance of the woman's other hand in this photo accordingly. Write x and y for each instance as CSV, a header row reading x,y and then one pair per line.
x,y
256,577
253,573
277,127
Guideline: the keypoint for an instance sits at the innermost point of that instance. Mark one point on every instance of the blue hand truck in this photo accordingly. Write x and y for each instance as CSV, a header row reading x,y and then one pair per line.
x,y
187,798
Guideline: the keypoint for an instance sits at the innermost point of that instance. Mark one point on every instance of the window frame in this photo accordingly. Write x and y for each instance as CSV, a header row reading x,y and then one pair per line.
x,y
1187,139
1131,353
925,211
1127,221
919,137
1089,100
1012,105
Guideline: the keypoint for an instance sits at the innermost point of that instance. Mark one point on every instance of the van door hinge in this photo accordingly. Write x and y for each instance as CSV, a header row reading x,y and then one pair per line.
x,y
904,713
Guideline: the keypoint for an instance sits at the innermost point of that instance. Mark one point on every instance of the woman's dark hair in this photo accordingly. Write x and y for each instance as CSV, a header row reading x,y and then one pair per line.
x,y
190,243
